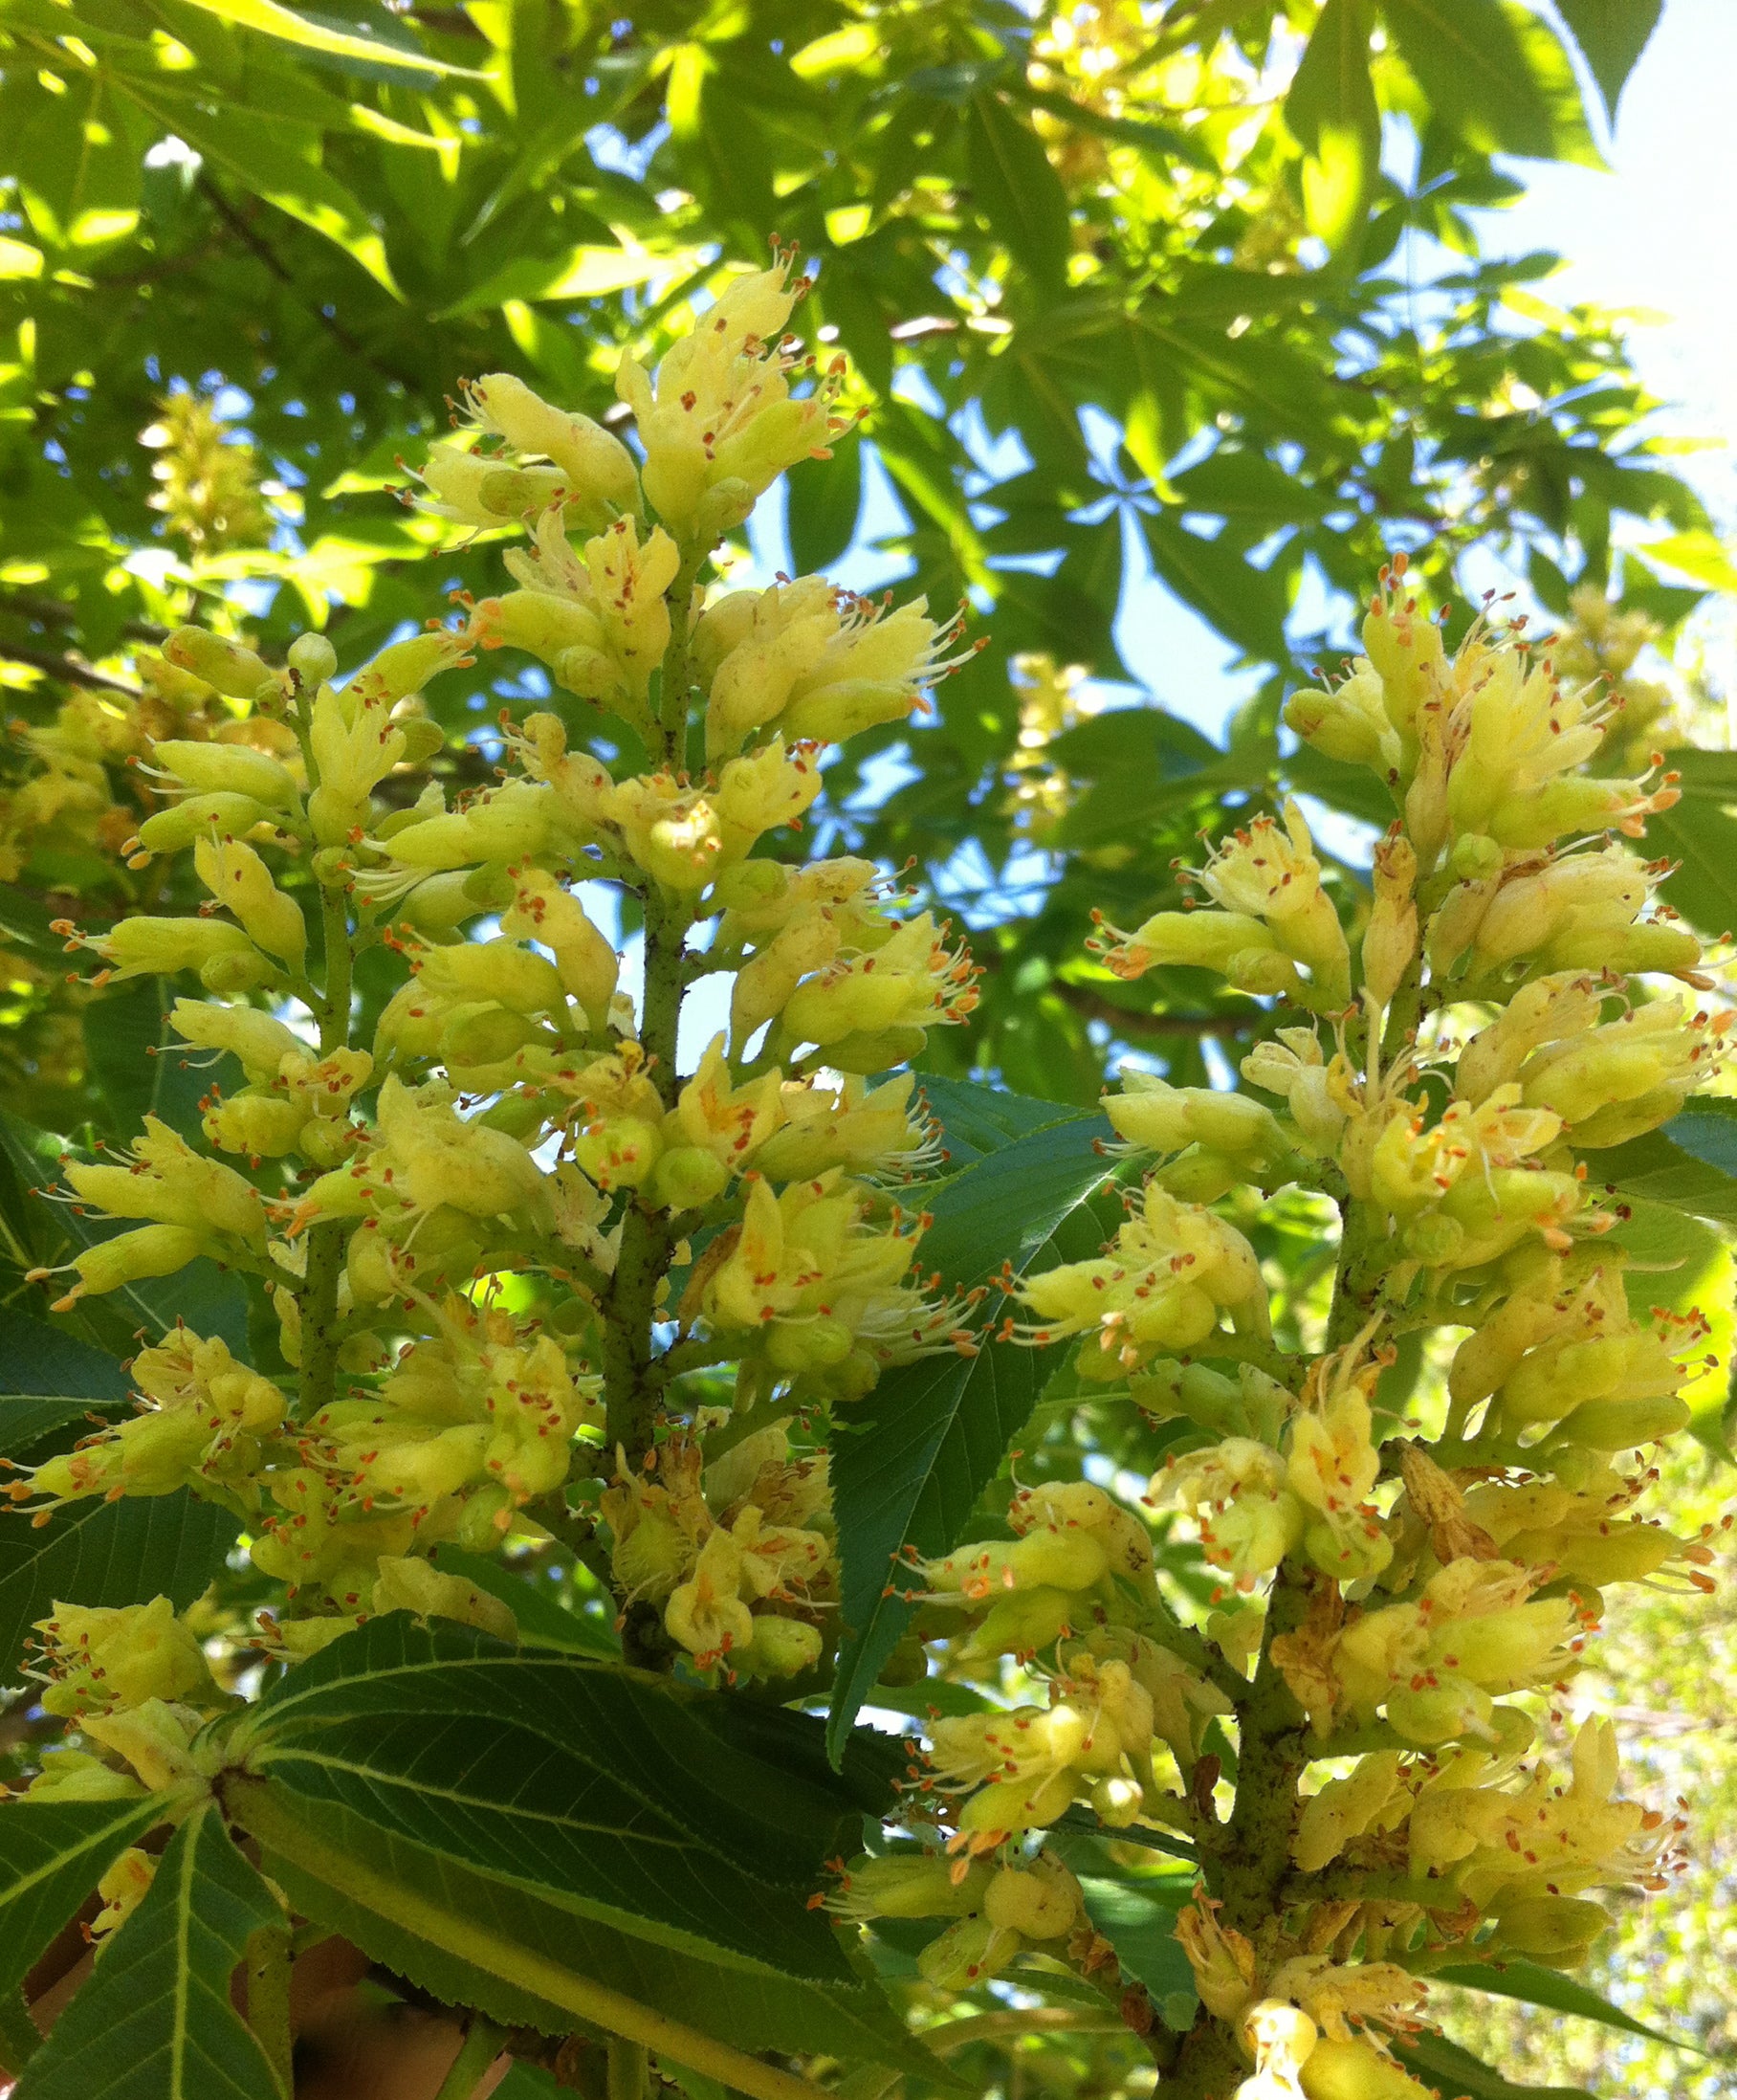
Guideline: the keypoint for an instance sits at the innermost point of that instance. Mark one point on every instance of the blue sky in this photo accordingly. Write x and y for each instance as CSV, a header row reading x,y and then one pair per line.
x,y
1655,236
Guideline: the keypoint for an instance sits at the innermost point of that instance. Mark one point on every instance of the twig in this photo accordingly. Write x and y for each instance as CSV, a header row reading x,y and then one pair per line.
x,y
482,2044
70,667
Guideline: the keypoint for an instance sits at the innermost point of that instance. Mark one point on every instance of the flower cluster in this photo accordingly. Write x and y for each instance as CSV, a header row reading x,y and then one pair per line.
x,y
1507,1004
502,1232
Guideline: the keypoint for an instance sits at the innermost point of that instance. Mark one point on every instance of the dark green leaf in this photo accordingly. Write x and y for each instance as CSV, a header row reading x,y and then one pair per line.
x,y
154,2020
598,1788
1612,35
1689,1164
821,506
1455,2074
273,164
1696,833
1216,577
104,1552
1140,1920
52,1856
35,1358
976,1119
1015,188
1470,64
126,1027
926,1442
472,1940
1533,1984
1332,113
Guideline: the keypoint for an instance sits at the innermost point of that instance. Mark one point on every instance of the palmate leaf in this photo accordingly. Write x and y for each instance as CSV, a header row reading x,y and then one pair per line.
x,y
1454,2074
92,1552
524,1831
1612,35
1689,1164
154,2020
104,1552
1696,835
472,1940
911,1459
1533,1984
40,1233
52,1856
596,1787
270,19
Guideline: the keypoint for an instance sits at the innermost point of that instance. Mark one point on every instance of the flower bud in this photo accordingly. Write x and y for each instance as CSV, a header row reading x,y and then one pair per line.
x,y
261,1126
1356,2070
1150,1113
688,1178
544,911
782,1648
410,1584
242,883
131,1257
1037,1904
142,946
259,1042
236,672
227,770
1555,1929
313,658
1390,939
1624,1425
168,831
598,470
970,1951
501,971
907,1884
618,1150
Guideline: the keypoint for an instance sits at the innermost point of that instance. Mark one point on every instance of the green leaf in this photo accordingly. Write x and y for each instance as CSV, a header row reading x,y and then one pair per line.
x,y
1696,835
1533,1984
1470,64
543,1620
1016,188
918,1452
35,1358
209,1300
52,1856
586,270
126,1027
275,163
975,1118
1612,35
154,2020
1455,2074
1243,603
1140,1920
1688,1165
595,1788
472,1940
1702,555
311,34
104,1552
824,500
1332,114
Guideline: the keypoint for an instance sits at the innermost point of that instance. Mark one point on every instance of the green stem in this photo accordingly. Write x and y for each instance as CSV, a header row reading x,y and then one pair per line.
x,y
482,2044
334,1009
319,1322
317,1297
